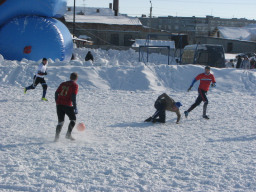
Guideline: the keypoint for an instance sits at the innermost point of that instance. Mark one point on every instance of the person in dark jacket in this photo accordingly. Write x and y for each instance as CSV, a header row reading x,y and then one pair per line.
x,y
239,61
162,104
89,56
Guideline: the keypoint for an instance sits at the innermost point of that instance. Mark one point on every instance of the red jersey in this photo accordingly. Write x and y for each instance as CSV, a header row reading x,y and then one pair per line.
x,y
65,91
205,80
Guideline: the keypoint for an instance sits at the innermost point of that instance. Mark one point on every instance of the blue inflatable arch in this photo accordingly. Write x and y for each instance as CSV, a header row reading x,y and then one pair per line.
x,y
47,8
34,37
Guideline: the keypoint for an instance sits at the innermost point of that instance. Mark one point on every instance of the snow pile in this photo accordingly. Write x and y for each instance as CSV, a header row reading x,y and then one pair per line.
x,y
118,151
247,33
120,70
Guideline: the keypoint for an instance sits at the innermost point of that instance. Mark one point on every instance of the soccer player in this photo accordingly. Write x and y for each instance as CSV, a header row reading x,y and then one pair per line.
x,y
39,78
65,97
162,104
206,79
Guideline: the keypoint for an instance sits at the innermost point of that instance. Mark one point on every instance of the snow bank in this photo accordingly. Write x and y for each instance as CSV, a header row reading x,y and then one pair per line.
x,y
247,33
120,70
118,151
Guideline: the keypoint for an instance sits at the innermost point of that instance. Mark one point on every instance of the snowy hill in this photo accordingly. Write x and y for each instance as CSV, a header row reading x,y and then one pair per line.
x,y
118,151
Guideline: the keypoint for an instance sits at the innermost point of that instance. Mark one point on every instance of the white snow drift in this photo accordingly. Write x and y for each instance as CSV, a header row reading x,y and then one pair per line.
x,y
118,151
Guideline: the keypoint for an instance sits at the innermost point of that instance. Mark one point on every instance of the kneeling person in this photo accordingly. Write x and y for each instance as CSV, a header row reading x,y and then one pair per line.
x,y
162,104
65,97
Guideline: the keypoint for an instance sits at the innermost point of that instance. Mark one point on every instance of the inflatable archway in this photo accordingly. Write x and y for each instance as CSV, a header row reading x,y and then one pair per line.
x,y
28,31
35,37
47,8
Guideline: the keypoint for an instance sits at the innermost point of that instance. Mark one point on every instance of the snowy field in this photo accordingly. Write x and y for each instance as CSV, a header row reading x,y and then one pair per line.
x,y
118,151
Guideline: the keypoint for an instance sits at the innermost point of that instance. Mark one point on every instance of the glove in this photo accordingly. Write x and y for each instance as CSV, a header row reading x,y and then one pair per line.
x,y
213,85
189,88
76,111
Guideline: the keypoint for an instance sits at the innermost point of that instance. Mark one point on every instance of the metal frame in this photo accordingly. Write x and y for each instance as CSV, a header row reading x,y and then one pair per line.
x,y
149,46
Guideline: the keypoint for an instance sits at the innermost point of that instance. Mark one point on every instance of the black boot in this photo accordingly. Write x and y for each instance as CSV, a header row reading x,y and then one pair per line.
x,y
204,111
70,128
58,130
148,119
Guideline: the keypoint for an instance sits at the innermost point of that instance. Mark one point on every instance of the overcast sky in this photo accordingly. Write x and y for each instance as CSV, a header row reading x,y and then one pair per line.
x,y
199,8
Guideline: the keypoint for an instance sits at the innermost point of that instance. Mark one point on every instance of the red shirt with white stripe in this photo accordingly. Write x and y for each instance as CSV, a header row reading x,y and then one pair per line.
x,y
205,80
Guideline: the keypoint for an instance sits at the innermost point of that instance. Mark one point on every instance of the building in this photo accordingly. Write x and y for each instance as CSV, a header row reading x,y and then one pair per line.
x,y
193,26
104,28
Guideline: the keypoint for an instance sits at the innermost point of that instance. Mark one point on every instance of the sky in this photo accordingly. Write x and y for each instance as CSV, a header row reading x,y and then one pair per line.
x,y
187,8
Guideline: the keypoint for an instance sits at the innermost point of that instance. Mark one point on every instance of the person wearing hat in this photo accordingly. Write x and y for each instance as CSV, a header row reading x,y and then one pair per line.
x,y
162,104
39,78
206,79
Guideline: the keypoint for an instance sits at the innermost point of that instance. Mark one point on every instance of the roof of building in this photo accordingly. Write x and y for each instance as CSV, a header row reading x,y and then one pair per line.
x,y
247,33
143,42
100,16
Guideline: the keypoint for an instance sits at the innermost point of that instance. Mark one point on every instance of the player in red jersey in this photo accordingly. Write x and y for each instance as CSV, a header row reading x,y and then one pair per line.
x,y
206,79
65,97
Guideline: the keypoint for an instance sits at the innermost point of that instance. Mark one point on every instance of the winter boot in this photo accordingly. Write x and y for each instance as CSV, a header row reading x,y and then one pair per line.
x,y
148,119
186,113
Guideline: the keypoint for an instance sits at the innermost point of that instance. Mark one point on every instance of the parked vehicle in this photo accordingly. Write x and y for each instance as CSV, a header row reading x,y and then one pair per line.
x,y
204,54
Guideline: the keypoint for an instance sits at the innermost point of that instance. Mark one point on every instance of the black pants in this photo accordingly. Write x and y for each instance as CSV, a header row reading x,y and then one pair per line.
x,y
160,112
63,110
201,97
36,81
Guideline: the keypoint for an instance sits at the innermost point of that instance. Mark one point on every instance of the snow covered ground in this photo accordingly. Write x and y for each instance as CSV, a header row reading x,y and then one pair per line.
x,y
118,151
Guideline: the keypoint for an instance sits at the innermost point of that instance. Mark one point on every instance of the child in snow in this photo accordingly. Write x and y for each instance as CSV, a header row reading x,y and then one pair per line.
x,y
206,79
65,97
39,78
162,104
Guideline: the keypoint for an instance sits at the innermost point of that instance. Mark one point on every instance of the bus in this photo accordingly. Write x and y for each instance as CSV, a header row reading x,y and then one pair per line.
x,y
204,54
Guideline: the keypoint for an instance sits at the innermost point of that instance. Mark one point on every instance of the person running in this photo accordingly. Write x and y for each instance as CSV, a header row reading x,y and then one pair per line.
x,y
65,97
162,104
39,78
206,79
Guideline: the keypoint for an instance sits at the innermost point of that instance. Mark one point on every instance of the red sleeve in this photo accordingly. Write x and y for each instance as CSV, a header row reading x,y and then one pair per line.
x,y
198,77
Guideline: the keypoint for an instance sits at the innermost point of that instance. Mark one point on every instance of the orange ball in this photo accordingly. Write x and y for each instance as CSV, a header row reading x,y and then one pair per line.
x,y
80,126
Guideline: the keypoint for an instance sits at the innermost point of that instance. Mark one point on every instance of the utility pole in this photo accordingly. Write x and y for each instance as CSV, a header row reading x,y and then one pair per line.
x,y
151,8
150,15
74,18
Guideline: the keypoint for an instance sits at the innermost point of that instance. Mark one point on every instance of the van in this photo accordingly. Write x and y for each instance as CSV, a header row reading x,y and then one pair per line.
x,y
204,54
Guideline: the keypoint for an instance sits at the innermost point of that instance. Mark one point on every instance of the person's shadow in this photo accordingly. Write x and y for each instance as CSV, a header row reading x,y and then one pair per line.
x,y
132,125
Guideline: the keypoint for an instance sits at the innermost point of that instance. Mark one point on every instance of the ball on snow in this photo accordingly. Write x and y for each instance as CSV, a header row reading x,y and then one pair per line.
x,y
80,126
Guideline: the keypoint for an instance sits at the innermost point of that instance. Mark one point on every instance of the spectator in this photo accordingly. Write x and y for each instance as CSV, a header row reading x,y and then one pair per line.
x,y
89,56
252,63
230,64
239,61
245,63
